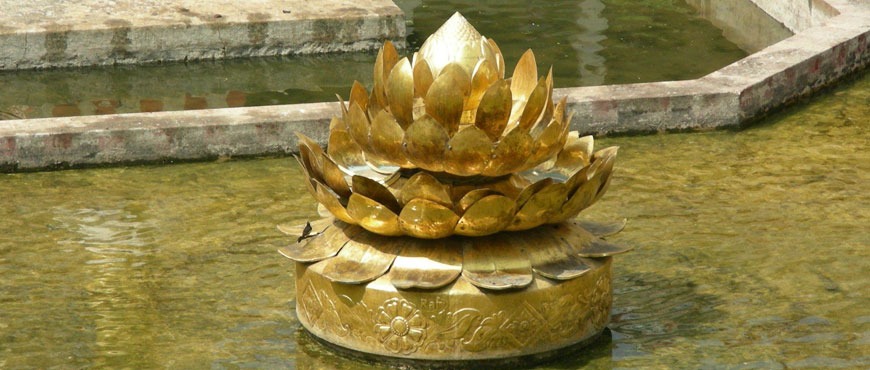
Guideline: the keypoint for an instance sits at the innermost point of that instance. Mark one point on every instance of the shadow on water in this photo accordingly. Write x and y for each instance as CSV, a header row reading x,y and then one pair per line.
x,y
651,311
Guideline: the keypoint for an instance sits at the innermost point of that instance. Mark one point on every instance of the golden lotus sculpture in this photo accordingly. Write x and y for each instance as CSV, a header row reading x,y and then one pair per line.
x,y
445,145
443,183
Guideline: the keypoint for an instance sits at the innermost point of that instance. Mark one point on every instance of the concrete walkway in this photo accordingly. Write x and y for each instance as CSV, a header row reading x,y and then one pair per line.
x,y
52,33
832,40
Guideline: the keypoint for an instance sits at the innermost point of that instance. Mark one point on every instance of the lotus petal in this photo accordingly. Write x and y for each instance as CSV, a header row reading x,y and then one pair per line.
x,y
530,190
422,77
426,219
485,74
364,258
559,111
584,243
472,196
344,150
310,164
488,215
499,58
337,123
602,229
323,246
510,153
584,195
309,183
601,248
539,208
373,216
608,157
444,100
358,126
359,95
494,263
525,77
494,110
333,176
386,139
576,153
400,92
605,179
343,107
468,152
548,144
425,264
425,142
332,201
424,186
534,106
375,191
547,115
558,261
386,59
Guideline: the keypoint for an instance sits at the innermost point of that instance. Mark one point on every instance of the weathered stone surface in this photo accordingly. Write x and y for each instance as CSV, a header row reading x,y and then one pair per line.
x,y
160,136
48,33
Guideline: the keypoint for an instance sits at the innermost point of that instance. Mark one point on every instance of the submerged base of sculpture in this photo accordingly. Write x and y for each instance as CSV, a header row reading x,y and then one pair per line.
x,y
507,295
458,322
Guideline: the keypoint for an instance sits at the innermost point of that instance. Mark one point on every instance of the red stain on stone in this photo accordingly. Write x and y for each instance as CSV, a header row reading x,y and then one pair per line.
x,y
841,56
211,131
65,110
790,75
105,106
111,141
267,130
59,141
169,133
150,105
194,102
665,103
9,145
236,98
815,66
601,107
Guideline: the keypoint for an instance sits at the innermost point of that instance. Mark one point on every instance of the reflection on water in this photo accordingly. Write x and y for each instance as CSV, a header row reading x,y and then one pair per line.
x,y
588,42
751,252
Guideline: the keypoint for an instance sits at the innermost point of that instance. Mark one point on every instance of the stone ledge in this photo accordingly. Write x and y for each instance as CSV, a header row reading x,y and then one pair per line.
x,y
47,33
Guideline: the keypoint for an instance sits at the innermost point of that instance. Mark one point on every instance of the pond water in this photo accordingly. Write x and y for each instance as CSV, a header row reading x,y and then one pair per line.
x,y
589,42
751,252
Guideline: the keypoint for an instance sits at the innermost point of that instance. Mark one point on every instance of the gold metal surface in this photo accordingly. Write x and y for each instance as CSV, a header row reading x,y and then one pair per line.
x,y
423,218
548,200
452,319
454,193
427,299
425,264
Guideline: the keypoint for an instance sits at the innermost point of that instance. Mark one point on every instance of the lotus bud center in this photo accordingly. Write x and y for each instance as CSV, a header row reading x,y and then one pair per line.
x,y
457,41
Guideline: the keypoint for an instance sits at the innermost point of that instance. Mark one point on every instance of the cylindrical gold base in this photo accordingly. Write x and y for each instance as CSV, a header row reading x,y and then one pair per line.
x,y
457,322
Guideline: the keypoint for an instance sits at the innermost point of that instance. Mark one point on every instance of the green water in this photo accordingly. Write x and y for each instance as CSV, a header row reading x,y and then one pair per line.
x,y
751,252
588,42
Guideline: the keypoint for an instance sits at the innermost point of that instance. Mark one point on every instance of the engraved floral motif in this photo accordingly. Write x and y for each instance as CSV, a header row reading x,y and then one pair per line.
x,y
311,304
400,326
600,302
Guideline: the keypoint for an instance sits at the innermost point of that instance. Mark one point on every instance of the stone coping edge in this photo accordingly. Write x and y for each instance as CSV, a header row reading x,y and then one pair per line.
x,y
120,42
732,96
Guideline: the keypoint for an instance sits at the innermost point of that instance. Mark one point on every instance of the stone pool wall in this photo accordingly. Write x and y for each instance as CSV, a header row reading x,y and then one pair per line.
x,y
50,33
831,42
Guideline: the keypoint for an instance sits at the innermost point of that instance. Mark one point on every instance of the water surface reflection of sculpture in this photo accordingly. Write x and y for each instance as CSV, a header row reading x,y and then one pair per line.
x,y
449,194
